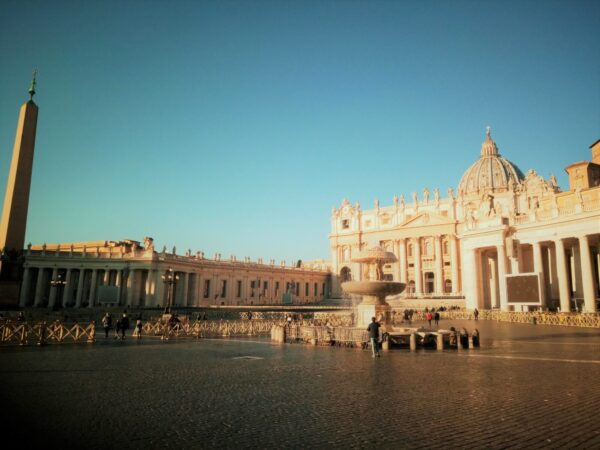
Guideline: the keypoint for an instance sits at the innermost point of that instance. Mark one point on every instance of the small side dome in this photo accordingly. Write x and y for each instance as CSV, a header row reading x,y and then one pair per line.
x,y
490,173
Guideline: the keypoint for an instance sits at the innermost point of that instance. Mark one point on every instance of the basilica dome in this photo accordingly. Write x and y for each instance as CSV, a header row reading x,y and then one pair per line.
x,y
490,173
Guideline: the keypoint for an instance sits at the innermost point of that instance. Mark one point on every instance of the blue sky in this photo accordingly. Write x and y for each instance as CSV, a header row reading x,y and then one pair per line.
x,y
234,127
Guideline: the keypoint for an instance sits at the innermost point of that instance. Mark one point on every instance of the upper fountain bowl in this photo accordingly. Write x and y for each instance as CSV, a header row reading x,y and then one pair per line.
x,y
373,288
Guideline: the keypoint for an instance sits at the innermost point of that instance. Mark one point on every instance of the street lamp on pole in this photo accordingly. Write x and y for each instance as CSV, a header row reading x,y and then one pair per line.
x,y
58,283
169,278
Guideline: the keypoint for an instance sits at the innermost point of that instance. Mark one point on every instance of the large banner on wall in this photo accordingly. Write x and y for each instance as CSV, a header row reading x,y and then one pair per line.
x,y
523,288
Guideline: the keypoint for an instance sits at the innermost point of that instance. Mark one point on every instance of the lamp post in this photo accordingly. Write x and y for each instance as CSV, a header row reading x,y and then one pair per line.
x,y
57,283
169,278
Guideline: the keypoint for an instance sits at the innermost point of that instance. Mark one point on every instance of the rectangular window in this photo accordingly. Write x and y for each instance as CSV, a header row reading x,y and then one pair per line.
x,y
265,287
224,288
206,288
323,289
298,288
306,289
316,290
238,291
276,288
252,286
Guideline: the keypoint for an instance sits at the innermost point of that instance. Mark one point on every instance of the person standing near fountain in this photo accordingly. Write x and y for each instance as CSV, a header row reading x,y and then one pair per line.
x,y
373,330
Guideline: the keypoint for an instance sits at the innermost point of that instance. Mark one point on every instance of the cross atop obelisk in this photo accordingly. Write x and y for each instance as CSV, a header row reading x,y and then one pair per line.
x,y
16,200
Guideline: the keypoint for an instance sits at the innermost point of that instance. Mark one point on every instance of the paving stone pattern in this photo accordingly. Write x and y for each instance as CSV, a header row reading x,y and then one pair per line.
x,y
527,387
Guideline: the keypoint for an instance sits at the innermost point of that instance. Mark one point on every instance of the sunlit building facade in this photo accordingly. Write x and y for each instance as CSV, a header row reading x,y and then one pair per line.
x,y
478,243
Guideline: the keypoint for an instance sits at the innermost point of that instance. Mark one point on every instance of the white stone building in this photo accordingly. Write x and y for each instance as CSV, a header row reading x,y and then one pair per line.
x,y
480,243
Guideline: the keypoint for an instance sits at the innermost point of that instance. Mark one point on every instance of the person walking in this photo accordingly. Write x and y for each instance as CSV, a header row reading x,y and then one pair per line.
x,y
436,318
429,316
124,325
118,326
476,314
106,323
373,330
138,326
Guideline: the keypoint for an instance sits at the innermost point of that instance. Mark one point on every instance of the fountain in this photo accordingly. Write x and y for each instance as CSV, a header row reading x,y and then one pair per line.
x,y
373,288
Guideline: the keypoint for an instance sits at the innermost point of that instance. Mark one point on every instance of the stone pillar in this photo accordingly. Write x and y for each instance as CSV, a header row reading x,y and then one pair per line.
x,y
587,276
159,287
576,271
79,294
454,264
502,277
118,283
186,286
538,267
39,288
24,288
68,289
92,296
397,263
554,292
563,278
402,263
130,286
417,260
53,288
470,279
439,266
106,280
494,283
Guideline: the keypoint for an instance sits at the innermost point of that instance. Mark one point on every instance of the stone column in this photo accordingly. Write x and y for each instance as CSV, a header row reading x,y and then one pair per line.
x,y
439,266
186,286
502,276
106,281
24,288
79,294
402,263
159,290
130,286
470,279
417,260
68,288
563,278
538,267
92,296
554,292
454,263
587,276
118,283
576,269
39,288
53,289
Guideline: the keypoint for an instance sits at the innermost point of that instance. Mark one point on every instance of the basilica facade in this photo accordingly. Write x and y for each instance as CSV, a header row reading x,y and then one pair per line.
x,y
505,239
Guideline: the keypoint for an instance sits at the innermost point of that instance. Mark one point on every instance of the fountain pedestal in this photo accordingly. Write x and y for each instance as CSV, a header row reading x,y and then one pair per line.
x,y
366,311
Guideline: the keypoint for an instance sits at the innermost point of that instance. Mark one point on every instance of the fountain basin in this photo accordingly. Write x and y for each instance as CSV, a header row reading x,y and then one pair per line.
x,y
379,289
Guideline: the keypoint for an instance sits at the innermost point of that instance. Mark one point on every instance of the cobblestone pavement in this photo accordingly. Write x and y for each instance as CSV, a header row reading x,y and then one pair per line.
x,y
527,387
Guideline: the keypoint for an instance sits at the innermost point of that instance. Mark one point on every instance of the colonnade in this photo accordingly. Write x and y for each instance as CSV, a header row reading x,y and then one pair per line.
x,y
568,270
56,286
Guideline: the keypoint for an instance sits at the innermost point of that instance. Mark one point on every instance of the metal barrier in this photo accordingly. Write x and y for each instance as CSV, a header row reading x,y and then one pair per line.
x,y
586,320
41,333
208,328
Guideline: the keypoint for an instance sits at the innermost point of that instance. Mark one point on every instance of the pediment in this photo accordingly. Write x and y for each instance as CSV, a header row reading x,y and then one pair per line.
x,y
426,220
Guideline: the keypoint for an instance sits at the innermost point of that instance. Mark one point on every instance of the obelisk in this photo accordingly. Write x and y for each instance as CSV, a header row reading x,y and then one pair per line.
x,y
16,200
